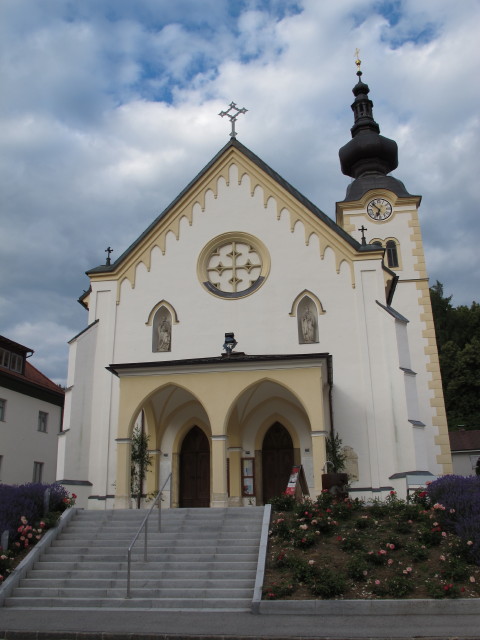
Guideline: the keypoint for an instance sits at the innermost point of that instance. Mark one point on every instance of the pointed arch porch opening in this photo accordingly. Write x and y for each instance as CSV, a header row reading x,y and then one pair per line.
x,y
277,461
194,470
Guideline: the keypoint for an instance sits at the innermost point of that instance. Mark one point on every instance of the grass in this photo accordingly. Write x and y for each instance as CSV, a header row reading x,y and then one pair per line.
x,y
348,550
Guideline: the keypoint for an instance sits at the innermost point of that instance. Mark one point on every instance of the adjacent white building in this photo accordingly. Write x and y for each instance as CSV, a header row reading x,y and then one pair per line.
x,y
31,410
465,446
334,329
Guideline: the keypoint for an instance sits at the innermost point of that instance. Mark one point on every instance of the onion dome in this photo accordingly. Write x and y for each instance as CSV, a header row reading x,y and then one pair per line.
x,y
368,157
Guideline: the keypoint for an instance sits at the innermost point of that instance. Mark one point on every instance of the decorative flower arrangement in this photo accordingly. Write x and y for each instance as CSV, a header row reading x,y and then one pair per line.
x,y
29,535
424,548
21,514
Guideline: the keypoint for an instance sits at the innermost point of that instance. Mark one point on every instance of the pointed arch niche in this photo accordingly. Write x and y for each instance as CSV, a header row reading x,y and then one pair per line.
x,y
161,318
306,308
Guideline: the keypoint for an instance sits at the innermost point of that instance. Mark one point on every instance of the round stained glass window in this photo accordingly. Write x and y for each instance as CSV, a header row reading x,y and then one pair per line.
x,y
233,265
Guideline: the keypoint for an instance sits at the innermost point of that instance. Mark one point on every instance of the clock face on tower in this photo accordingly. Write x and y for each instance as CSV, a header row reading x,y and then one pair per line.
x,y
379,209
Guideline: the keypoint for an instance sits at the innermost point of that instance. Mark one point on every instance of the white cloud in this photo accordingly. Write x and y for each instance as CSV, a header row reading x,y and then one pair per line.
x,y
109,109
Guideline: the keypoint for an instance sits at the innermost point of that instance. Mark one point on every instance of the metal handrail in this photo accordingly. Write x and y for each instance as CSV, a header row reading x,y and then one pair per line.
x,y
158,500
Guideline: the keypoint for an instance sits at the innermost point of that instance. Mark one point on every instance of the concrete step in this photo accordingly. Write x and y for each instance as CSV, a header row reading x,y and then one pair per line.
x,y
202,559
234,533
203,556
148,592
155,542
119,582
208,565
188,574
160,604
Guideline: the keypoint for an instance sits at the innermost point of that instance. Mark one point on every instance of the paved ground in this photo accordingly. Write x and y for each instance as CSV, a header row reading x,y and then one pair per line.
x,y
142,625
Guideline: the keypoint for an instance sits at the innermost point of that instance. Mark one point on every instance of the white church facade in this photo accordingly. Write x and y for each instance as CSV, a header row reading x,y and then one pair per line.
x,y
334,330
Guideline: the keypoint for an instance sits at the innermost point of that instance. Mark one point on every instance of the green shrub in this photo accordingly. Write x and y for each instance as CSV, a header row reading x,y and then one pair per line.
x,y
352,543
357,568
327,583
278,590
283,503
399,586
418,552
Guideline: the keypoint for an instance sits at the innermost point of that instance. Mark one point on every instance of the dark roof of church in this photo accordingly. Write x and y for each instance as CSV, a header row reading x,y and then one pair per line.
x,y
360,186
467,440
233,142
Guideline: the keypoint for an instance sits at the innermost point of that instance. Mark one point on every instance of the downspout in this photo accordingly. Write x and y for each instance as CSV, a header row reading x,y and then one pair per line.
x,y
141,467
330,396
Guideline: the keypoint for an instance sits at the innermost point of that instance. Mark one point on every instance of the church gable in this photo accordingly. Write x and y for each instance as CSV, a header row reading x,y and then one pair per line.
x,y
234,164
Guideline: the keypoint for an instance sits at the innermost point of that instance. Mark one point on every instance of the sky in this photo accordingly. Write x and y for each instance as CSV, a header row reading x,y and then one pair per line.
x,y
108,108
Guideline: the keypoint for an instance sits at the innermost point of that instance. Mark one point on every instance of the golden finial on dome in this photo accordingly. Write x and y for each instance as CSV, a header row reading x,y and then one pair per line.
x,y
358,62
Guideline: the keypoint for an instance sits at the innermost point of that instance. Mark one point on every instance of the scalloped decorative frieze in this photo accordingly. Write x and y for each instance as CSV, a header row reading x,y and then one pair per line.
x,y
194,201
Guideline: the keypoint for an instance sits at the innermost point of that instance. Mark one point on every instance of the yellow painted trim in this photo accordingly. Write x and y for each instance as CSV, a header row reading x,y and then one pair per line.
x,y
312,296
269,422
167,305
435,384
209,184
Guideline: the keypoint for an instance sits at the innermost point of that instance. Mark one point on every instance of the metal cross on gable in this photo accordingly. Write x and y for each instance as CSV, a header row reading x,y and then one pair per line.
x,y
108,251
363,229
232,114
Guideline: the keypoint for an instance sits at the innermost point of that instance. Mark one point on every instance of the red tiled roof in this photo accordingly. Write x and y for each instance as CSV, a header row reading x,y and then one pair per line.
x,y
33,376
36,376
467,440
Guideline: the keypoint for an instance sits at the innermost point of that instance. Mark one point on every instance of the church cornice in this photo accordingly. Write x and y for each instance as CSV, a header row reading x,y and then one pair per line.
x,y
234,362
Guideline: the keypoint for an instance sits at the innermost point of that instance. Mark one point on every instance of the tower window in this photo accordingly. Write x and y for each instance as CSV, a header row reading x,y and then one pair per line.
x,y
392,254
3,406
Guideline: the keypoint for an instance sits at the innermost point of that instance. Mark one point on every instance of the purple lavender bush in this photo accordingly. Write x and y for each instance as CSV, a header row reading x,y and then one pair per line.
x,y
28,500
460,497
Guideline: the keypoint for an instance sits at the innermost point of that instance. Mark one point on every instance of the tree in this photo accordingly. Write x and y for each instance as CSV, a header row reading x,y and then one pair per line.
x,y
462,388
335,453
139,462
458,341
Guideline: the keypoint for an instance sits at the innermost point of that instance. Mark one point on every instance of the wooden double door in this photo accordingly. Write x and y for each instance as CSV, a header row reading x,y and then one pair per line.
x,y
277,461
195,470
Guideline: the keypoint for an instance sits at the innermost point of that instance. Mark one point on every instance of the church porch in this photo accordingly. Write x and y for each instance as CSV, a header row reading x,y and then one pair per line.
x,y
225,425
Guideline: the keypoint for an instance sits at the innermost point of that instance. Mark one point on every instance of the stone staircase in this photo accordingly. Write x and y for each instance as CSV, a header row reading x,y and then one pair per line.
x,y
202,559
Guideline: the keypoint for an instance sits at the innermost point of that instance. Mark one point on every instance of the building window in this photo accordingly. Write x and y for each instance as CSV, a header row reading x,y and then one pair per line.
x,y
392,254
11,360
37,471
42,421
4,358
16,363
3,406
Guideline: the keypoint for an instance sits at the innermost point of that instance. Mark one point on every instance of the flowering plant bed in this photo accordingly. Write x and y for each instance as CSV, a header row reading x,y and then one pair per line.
x,y
392,549
21,509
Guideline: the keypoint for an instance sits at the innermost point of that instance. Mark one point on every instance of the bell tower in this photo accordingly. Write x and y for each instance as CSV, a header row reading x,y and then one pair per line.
x,y
378,207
